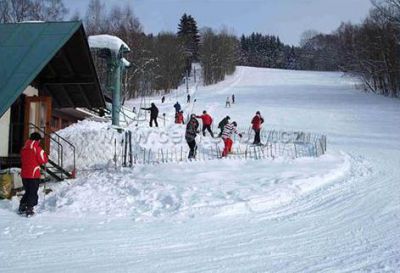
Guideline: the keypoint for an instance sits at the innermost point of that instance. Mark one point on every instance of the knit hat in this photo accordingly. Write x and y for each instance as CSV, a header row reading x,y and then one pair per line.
x,y
35,136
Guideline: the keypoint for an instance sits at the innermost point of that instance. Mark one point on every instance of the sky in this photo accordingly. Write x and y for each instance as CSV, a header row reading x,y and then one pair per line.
x,y
286,18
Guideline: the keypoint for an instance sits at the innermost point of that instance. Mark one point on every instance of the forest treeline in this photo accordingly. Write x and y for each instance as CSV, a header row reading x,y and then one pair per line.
x,y
369,50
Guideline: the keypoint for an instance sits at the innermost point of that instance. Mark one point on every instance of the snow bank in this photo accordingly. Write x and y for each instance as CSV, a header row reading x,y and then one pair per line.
x,y
94,143
193,189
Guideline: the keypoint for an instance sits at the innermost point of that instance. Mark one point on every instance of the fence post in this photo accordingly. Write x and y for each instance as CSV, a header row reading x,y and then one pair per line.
x,y
148,157
181,153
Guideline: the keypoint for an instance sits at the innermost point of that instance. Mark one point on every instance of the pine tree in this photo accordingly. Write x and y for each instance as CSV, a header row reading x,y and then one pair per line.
x,y
189,36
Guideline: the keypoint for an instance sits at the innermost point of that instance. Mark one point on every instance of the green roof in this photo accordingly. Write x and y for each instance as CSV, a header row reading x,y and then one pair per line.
x,y
25,49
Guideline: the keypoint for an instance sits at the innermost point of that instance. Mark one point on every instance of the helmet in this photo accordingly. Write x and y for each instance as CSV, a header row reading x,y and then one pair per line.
x,y
234,123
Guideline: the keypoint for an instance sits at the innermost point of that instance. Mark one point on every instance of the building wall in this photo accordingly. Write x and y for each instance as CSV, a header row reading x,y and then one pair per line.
x,y
5,124
4,133
31,91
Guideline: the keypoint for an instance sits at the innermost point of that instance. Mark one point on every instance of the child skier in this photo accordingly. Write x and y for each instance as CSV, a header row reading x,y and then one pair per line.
x,y
256,122
207,121
32,157
179,118
190,135
228,102
177,107
222,124
229,129
153,114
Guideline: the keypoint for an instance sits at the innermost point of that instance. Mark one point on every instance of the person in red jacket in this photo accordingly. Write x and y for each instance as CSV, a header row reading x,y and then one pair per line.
x,y
32,156
256,126
179,119
207,121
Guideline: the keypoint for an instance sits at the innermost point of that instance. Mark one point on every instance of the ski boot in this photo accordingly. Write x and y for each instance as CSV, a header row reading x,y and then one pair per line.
x,y
22,208
29,212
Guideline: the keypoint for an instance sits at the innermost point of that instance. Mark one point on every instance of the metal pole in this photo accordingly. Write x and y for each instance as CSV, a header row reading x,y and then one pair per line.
x,y
164,118
115,153
181,153
187,81
116,89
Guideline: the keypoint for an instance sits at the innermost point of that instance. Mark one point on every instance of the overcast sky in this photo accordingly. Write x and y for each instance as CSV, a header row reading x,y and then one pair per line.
x,y
286,18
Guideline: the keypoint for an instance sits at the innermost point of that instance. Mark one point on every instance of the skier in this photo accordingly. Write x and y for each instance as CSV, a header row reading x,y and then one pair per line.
x,y
222,124
153,114
207,121
134,109
190,135
228,102
188,98
162,99
177,107
256,126
229,129
32,157
233,98
179,118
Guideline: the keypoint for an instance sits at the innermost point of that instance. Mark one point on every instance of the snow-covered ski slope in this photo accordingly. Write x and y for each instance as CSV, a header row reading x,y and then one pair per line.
x,y
336,213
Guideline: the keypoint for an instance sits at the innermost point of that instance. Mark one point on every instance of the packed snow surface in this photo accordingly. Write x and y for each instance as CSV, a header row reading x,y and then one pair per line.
x,y
335,213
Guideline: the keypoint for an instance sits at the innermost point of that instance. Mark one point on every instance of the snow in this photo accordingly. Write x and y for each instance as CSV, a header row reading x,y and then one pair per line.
x,y
126,62
107,41
31,22
335,213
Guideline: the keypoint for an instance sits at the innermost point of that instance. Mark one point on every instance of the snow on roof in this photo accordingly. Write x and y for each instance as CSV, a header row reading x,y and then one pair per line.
x,y
107,41
32,21
126,62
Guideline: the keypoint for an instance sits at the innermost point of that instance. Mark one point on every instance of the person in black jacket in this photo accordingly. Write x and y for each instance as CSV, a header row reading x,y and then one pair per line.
x,y
153,114
177,107
192,129
222,124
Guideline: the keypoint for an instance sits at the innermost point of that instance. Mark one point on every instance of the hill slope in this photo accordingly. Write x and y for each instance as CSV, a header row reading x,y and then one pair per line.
x,y
337,213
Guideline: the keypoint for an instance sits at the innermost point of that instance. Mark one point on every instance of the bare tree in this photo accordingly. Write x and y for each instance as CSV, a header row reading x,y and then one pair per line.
x,y
95,18
218,55
307,36
12,11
